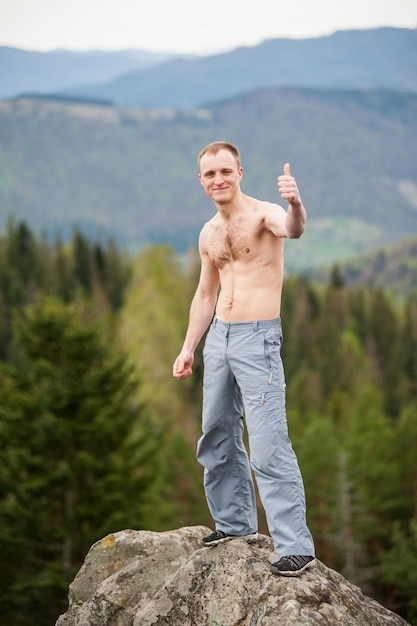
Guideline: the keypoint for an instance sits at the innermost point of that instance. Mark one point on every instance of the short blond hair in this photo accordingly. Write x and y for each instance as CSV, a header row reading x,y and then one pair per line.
x,y
215,147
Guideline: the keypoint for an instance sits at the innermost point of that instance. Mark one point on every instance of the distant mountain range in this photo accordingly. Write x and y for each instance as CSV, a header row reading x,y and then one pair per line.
x,y
45,72
342,109
354,59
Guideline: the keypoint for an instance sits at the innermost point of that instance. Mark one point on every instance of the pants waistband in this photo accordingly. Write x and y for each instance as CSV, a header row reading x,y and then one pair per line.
x,y
246,325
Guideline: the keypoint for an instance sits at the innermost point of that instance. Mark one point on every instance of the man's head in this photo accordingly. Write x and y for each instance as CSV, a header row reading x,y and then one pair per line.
x,y
220,172
215,147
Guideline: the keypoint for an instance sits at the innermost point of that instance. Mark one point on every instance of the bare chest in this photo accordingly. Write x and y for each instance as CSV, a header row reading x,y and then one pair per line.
x,y
236,240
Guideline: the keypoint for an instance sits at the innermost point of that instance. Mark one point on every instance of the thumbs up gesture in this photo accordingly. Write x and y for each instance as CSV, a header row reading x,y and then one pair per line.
x,y
287,186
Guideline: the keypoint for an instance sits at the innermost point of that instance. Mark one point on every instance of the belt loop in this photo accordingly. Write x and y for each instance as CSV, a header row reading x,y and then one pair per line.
x,y
255,326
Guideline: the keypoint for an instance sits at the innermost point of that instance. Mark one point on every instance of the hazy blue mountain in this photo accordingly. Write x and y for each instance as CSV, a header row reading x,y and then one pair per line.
x,y
364,59
132,173
40,72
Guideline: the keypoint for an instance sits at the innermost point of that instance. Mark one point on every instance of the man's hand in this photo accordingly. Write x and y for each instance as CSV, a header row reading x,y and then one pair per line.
x,y
287,187
182,368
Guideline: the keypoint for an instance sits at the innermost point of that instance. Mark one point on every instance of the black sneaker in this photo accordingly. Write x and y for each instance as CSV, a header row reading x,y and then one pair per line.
x,y
292,565
218,536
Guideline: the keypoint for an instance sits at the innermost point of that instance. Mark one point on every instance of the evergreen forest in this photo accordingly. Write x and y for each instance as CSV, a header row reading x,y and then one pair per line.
x,y
96,436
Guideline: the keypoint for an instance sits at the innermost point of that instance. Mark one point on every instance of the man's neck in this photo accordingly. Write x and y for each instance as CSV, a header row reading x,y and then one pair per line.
x,y
237,206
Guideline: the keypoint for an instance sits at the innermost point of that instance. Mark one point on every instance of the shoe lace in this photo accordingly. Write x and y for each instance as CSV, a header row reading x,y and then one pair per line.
x,y
217,534
294,560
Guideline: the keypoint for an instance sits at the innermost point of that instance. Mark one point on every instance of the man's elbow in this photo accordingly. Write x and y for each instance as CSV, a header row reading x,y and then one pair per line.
x,y
295,233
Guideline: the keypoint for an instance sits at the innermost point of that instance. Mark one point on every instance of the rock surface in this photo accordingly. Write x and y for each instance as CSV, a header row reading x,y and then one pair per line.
x,y
143,578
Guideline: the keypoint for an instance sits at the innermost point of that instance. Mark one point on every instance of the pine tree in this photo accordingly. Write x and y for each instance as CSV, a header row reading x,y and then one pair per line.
x,y
80,458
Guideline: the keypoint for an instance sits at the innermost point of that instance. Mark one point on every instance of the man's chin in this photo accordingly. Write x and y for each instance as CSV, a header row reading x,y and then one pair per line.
x,y
220,197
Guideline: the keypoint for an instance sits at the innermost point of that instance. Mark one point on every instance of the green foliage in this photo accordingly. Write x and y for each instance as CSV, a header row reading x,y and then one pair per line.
x,y
79,458
400,566
29,265
152,327
316,442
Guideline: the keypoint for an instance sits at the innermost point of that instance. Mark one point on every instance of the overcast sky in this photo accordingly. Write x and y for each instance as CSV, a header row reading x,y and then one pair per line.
x,y
186,25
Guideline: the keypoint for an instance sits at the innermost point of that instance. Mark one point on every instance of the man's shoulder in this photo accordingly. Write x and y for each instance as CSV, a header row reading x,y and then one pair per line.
x,y
272,211
261,207
267,206
210,223
207,228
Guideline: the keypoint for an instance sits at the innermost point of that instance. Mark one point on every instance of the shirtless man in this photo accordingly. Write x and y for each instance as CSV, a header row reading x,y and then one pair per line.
x,y
242,252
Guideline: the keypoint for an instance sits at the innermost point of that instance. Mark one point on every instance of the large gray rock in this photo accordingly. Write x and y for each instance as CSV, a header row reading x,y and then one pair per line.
x,y
143,578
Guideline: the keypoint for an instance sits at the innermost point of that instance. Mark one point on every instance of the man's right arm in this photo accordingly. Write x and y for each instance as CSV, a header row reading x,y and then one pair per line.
x,y
201,314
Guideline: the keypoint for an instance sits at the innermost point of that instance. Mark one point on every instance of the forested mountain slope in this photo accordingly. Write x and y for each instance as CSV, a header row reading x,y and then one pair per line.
x,y
391,268
132,173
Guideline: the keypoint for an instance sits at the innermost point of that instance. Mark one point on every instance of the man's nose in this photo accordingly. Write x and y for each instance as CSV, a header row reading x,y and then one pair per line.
x,y
218,178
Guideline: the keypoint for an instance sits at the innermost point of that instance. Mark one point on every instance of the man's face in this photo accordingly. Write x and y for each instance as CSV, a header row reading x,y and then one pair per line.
x,y
220,176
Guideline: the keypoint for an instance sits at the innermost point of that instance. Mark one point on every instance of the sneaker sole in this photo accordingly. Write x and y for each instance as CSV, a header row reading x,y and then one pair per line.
x,y
297,572
247,538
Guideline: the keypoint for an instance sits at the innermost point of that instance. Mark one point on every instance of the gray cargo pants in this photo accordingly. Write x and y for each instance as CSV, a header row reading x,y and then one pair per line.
x,y
244,378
